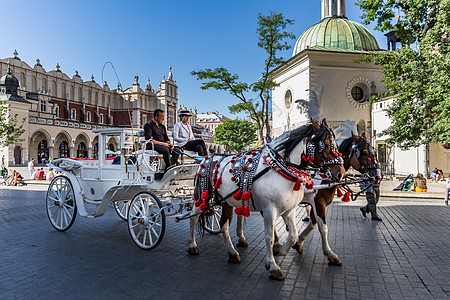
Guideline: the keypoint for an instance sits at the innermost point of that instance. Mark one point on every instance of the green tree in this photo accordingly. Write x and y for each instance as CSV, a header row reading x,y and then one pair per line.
x,y
236,133
10,130
272,39
418,73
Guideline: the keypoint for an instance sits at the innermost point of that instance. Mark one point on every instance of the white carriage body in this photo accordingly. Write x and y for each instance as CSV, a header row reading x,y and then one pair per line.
x,y
120,175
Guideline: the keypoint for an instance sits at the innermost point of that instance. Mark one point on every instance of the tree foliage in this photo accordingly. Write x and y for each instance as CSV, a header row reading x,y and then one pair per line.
x,y
10,129
236,134
272,39
418,73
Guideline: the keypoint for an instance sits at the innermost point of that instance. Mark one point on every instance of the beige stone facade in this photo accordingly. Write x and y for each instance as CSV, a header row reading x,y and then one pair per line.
x,y
60,111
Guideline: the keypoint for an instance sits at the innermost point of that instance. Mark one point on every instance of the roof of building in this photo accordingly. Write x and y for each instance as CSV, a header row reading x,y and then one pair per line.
x,y
337,33
211,117
9,80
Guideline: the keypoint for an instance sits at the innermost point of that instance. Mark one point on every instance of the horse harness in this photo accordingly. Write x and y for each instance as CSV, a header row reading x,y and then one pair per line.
x,y
311,150
243,168
357,152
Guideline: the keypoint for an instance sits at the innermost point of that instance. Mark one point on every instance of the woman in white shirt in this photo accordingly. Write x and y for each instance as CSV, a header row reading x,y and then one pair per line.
x,y
184,136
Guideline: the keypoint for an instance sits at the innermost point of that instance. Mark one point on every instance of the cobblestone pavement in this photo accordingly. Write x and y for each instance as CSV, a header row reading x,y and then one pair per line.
x,y
406,256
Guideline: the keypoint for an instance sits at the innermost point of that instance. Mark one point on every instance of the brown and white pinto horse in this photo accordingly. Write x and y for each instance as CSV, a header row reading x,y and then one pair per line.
x,y
272,194
357,153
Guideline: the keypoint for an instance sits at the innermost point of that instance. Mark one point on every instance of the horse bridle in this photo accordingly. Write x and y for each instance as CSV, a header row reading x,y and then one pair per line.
x,y
357,152
311,150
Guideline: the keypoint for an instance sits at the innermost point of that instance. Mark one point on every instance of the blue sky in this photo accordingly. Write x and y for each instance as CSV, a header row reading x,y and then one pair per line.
x,y
145,37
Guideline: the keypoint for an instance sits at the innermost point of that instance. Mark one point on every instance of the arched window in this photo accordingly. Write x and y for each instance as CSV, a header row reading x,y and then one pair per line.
x,y
95,151
111,147
44,84
81,150
54,89
42,151
80,94
34,84
23,82
72,92
63,149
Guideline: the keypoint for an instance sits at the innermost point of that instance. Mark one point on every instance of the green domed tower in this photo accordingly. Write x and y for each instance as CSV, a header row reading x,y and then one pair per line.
x,y
336,32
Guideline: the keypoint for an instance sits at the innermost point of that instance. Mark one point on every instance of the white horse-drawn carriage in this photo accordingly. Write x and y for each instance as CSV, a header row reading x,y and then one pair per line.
x,y
132,179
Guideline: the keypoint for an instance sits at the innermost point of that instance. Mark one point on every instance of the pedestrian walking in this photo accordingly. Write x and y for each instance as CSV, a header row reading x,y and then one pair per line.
x,y
31,169
372,197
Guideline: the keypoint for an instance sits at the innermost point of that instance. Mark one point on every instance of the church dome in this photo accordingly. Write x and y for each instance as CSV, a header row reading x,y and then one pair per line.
x,y
9,81
337,33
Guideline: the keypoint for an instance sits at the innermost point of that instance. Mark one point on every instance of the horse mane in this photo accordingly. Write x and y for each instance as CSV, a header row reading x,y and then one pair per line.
x,y
345,144
289,140
348,142
344,131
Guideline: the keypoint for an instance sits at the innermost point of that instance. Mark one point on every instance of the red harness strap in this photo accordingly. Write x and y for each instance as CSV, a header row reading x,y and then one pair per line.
x,y
288,172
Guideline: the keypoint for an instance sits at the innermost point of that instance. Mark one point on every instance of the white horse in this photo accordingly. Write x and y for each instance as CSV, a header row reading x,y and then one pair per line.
x,y
273,194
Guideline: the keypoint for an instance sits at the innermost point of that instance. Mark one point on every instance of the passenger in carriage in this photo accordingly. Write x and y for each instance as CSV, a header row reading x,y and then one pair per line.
x,y
156,131
184,136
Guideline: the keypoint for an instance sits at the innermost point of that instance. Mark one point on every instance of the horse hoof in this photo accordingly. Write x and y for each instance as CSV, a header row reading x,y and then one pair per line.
x,y
234,259
193,251
298,248
276,275
242,244
334,261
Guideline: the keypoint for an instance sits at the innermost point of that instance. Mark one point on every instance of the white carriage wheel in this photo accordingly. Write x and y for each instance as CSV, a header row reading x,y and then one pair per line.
x,y
121,208
60,203
146,220
212,224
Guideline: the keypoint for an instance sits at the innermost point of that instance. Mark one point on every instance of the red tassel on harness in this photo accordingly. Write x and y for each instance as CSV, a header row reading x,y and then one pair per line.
x,y
297,185
246,212
203,206
339,193
346,197
218,183
205,195
237,195
239,210
246,196
197,203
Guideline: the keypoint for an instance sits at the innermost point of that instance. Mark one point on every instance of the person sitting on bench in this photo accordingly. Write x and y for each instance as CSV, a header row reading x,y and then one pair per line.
x,y
184,136
156,131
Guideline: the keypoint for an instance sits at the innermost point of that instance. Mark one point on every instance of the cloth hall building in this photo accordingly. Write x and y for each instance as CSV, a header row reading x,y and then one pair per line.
x,y
61,111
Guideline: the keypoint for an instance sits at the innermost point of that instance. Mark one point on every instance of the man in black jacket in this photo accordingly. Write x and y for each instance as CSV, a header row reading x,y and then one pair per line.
x,y
156,131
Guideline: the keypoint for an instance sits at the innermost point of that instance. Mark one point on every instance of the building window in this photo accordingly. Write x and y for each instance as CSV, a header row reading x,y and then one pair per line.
x,y
101,119
43,105
357,94
171,118
111,120
81,150
88,116
288,99
95,151
144,119
57,111
73,114
63,149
